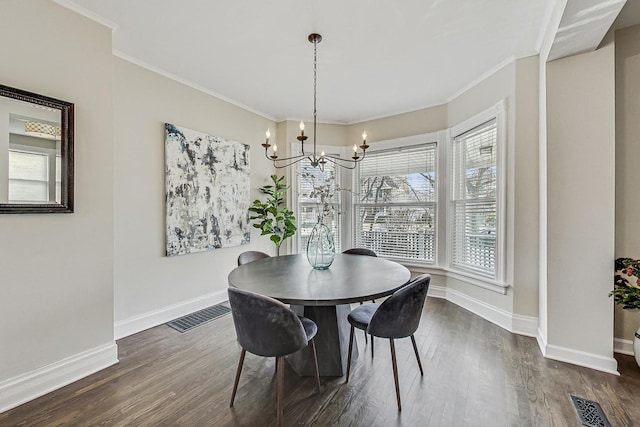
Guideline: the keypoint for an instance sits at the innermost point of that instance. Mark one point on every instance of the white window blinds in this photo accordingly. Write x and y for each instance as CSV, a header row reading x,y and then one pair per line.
x,y
28,177
473,210
395,208
308,208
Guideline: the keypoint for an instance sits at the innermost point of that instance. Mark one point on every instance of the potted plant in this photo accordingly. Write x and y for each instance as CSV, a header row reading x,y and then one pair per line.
x,y
626,291
272,217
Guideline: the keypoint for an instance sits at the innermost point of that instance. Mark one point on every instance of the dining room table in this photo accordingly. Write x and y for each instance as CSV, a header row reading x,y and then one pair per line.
x,y
324,296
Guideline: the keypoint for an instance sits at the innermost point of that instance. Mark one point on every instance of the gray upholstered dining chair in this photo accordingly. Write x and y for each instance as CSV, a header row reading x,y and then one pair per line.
x,y
250,256
397,317
360,251
366,252
266,327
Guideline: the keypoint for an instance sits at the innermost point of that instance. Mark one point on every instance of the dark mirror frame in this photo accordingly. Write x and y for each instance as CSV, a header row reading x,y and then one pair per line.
x,y
66,153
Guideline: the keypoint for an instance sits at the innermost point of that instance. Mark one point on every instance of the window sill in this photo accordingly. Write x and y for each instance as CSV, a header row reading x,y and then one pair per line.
x,y
489,284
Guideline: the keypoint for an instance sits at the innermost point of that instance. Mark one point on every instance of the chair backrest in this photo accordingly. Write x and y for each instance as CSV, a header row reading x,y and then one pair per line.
x,y
360,251
265,326
249,256
399,316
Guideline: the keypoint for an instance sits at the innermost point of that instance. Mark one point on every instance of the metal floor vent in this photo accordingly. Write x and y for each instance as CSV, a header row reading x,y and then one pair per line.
x,y
589,412
190,321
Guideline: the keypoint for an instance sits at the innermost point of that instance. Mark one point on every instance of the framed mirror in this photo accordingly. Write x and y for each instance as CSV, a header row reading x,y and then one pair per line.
x,y
36,153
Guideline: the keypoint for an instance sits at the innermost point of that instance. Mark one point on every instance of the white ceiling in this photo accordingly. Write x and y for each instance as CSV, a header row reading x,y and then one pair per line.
x,y
377,58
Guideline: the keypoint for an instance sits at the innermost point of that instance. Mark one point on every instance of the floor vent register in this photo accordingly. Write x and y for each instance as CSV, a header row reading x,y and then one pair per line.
x,y
589,412
190,321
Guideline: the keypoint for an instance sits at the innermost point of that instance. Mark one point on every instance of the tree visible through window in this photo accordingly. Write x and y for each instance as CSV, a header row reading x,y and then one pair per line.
x,y
473,207
395,211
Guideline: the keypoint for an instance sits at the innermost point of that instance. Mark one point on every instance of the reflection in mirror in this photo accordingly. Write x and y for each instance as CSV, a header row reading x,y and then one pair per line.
x,y
36,153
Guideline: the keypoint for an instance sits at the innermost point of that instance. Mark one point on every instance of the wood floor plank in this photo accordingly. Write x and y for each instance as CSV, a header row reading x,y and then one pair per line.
x,y
475,374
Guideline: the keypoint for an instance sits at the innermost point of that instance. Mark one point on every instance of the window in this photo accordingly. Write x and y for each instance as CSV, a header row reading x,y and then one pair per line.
x,y
28,177
473,213
395,203
307,209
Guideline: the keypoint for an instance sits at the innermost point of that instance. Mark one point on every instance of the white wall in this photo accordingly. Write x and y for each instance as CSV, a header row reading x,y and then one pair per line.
x,y
525,189
56,270
627,155
581,208
151,288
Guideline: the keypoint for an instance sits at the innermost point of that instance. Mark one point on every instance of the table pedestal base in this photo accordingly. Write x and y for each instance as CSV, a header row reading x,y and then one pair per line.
x,y
332,341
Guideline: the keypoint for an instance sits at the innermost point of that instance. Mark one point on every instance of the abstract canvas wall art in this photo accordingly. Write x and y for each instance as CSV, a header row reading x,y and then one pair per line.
x,y
207,191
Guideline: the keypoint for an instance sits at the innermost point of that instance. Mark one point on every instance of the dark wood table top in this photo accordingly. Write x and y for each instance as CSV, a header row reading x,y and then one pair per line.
x,y
292,280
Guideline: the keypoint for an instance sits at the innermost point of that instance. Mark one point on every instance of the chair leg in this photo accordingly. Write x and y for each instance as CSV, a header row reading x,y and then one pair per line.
x,y
315,362
395,372
372,346
415,350
366,341
280,389
238,371
349,353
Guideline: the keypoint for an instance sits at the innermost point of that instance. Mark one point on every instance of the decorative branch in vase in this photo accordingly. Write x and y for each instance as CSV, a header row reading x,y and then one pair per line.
x,y
272,217
321,246
323,191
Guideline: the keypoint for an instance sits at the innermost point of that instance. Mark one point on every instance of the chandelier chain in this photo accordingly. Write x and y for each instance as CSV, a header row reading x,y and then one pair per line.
x,y
315,86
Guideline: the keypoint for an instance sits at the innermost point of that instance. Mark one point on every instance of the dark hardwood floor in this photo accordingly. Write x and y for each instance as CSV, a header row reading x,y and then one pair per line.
x,y
476,374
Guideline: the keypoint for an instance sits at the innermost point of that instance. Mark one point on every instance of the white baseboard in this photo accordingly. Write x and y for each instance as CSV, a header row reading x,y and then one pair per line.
x,y
522,325
147,320
528,326
581,358
542,341
437,292
623,346
23,388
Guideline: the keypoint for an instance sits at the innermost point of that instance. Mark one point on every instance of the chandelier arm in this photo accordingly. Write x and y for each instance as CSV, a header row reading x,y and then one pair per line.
x,y
279,159
342,159
337,160
295,160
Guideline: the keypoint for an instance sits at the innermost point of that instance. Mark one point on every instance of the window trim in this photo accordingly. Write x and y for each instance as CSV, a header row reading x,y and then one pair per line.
x,y
497,112
397,144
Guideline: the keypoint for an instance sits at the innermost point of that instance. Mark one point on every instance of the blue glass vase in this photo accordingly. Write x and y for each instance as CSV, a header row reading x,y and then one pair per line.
x,y
320,248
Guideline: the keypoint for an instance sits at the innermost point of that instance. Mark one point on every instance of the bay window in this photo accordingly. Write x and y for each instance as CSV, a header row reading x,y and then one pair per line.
x,y
434,201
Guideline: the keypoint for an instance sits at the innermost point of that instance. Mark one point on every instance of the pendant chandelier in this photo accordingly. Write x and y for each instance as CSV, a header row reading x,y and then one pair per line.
x,y
316,160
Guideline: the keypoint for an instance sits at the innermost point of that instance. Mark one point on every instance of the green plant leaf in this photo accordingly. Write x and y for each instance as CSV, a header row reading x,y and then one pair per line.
x,y
271,216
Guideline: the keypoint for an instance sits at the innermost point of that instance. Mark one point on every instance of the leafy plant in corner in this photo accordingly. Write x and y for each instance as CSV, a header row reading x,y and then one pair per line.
x,y
626,288
272,217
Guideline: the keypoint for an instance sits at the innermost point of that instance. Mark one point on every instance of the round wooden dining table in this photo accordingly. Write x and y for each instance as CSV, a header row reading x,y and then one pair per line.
x,y
323,296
